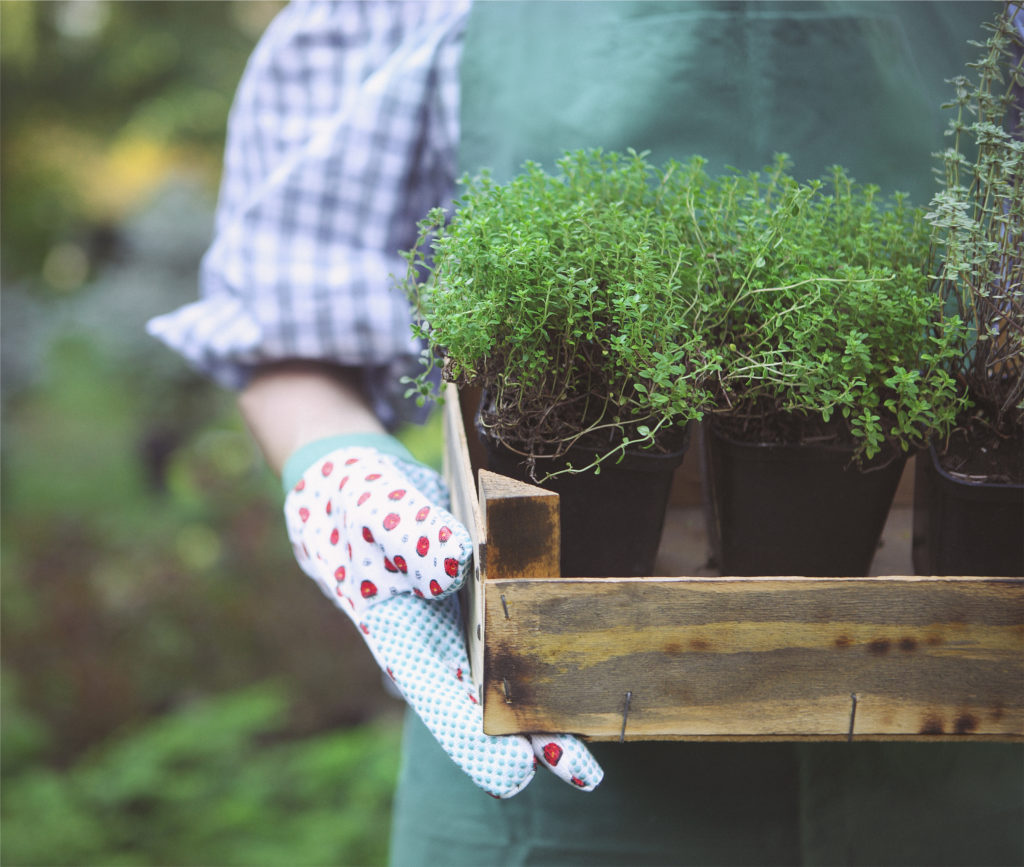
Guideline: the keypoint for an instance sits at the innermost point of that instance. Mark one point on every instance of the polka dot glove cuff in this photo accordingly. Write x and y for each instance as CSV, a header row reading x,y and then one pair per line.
x,y
369,524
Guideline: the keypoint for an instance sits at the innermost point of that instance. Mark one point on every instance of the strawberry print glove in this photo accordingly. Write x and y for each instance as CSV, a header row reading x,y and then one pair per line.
x,y
369,524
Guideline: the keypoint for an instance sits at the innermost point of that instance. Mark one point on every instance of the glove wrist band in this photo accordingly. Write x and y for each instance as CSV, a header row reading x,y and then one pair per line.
x,y
305,456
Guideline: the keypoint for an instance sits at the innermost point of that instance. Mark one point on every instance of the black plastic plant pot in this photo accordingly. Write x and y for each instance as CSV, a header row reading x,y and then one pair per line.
x,y
611,522
965,528
794,509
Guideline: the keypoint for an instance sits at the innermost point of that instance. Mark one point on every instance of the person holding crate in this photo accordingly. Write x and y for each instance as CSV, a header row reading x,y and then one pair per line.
x,y
351,122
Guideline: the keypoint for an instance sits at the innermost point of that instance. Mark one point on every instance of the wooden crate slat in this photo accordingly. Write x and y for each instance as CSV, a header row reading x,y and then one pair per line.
x,y
465,506
755,657
902,657
522,528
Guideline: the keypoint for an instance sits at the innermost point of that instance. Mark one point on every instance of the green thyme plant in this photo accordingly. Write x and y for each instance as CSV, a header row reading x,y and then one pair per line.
x,y
822,310
570,299
978,228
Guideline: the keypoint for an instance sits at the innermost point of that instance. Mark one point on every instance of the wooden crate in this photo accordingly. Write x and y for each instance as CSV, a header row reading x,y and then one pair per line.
x,y
699,658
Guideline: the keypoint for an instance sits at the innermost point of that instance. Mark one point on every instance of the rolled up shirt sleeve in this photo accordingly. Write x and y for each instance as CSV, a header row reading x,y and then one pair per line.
x,y
342,135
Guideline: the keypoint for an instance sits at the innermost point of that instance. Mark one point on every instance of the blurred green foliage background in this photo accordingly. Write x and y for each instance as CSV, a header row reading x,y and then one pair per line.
x,y
174,691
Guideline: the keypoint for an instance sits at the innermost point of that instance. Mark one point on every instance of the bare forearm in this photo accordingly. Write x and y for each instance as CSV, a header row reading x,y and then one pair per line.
x,y
290,404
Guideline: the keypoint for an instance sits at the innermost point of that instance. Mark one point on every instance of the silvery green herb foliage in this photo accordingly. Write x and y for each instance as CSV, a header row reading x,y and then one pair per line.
x,y
569,297
822,311
978,223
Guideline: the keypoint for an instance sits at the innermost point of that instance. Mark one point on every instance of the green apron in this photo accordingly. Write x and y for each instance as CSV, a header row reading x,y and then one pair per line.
x,y
847,83
858,84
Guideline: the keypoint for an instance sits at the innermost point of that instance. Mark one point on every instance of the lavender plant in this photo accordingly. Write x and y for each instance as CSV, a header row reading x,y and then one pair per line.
x,y
977,225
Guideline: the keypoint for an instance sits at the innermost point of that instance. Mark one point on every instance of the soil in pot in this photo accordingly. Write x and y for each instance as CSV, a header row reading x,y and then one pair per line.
x,y
969,508
794,509
611,522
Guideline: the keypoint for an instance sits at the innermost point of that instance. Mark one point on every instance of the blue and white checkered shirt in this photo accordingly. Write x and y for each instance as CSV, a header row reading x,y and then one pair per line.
x,y
343,134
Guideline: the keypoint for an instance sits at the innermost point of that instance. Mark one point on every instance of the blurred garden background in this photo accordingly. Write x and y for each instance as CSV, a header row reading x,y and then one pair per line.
x,y
174,691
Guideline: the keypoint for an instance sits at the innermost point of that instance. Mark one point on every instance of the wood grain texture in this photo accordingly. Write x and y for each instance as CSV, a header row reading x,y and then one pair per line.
x,y
756,657
892,658
521,525
465,506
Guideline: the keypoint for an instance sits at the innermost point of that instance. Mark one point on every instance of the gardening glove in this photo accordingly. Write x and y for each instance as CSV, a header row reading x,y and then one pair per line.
x,y
368,523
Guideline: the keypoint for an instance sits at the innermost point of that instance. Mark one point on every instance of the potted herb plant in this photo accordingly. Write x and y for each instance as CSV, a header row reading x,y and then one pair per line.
x,y
832,371
569,299
969,489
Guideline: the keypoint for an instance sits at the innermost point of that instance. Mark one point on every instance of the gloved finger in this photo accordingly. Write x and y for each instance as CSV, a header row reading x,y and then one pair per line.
x,y
427,481
569,759
358,514
412,543
363,513
421,646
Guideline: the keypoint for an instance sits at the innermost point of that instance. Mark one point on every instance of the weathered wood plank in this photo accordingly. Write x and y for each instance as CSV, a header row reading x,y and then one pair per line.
x,y
457,468
522,528
756,657
465,506
723,658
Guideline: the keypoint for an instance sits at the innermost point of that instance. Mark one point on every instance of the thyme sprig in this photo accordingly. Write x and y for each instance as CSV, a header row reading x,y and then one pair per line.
x,y
570,299
823,311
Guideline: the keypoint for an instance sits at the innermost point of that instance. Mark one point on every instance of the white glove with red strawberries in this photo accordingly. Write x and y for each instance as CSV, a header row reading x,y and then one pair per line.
x,y
368,523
